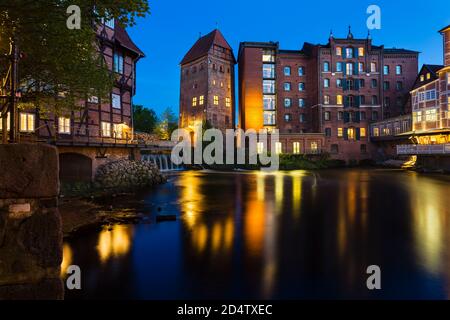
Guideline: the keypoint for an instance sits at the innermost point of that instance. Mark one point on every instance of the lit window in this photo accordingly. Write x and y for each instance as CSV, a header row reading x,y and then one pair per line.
x,y
268,71
301,102
351,133
278,148
269,86
373,67
64,125
228,102
110,23
118,63
339,99
327,116
326,83
386,70
287,102
194,101
361,67
314,146
326,99
349,53
398,70
202,100
118,130
268,56
296,147
269,102
376,132
221,84
431,115
326,66
422,78
349,68
260,147
214,82
287,86
106,129
288,117
216,100
287,71
428,76
26,122
8,119
361,52
419,116
448,103
362,132
340,132
338,51
448,78
269,118
116,101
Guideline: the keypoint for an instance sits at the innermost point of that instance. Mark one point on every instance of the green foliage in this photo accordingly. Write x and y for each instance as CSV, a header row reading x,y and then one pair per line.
x,y
167,124
306,162
60,66
145,120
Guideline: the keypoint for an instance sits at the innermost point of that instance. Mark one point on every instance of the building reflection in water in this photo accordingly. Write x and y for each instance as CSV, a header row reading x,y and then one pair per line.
x,y
431,222
114,242
67,259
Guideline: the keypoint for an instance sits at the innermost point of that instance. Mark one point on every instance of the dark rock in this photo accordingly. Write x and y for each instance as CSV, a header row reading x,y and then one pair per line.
x,y
33,171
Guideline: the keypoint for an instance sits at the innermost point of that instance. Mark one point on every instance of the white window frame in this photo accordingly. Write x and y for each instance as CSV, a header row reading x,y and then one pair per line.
x,y
64,125
106,129
116,101
27,122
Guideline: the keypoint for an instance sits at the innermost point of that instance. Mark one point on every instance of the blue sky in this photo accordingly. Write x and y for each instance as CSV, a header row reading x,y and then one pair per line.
x,y
173,27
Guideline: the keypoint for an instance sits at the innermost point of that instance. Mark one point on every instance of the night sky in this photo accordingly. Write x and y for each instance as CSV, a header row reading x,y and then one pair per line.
x,y
173,27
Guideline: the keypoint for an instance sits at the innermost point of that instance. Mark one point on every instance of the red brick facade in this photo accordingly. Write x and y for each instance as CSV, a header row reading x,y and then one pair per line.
x,y
207,83
336,90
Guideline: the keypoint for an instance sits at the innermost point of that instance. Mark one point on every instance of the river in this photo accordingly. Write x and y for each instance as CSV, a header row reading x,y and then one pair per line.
x,y
286,235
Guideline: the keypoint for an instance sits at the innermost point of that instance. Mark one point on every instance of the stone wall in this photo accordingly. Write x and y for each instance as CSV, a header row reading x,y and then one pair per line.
x,y
127,175
30,223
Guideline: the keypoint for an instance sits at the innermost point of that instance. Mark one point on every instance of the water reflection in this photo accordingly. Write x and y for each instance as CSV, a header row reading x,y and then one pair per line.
x,y
114,242
293,234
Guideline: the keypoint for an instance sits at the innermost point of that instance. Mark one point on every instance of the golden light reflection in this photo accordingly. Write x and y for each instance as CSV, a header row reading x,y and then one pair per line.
x,y
297,179
279,190
254,224
114,243
190,197
67,258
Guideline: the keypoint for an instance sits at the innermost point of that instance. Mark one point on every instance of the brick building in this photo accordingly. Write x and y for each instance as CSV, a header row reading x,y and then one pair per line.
x,y
335,90
207,83
96,131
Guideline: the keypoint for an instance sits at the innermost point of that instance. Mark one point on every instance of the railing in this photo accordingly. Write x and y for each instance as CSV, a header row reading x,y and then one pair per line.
x,y
414,149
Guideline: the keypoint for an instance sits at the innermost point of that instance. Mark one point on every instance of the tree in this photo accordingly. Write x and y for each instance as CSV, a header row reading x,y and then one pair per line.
x,y
167,124
59,66
145,120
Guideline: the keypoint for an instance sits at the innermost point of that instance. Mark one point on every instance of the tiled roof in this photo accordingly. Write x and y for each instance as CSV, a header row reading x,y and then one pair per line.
x,y
444,29
398,50
124,40
433,69
202,46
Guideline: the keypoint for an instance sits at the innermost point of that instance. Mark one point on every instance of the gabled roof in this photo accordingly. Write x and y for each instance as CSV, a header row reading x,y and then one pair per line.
x,y
125,41
444,29
202,46
427,68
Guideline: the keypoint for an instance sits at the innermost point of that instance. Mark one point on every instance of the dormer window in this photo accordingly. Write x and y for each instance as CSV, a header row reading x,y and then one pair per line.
x,y
110,23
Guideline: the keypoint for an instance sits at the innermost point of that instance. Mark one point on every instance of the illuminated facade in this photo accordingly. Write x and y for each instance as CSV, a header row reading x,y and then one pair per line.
x,y
334,90
430,98
207,83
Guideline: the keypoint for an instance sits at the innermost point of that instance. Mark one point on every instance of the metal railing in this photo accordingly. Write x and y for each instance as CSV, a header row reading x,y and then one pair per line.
x,y
414,149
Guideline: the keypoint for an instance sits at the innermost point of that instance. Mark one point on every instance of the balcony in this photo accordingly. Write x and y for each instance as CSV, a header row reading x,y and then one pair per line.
x,y
425,149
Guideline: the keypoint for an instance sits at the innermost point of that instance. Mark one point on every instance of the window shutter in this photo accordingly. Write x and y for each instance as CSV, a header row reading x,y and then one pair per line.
x,y
357,101
355,68
346,117
345,101
358,134
357,116
344,85
345,133
344,69
357,84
